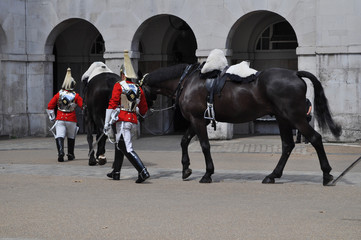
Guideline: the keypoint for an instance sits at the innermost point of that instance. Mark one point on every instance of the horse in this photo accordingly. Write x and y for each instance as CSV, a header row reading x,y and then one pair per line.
x,y
277,92
98,82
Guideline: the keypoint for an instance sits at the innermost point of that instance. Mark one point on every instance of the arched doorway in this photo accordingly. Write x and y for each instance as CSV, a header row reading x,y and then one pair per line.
x,y
77,44
267,40
161,41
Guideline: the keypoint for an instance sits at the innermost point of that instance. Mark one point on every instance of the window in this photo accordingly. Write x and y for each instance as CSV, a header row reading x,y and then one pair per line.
x,y
278,36
98,46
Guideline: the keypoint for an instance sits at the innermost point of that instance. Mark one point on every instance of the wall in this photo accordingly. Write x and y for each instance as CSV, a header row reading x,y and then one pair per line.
x,y
327,33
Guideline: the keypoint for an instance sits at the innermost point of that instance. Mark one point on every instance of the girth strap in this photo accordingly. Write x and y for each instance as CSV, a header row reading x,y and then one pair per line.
x,y
214,86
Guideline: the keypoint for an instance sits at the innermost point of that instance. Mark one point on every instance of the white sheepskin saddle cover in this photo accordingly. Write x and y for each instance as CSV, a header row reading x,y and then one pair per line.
x,y
241,69
95,69
216,60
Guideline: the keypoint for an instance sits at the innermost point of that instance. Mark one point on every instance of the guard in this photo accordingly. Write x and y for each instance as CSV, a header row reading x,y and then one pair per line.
x,y
66,100
130,99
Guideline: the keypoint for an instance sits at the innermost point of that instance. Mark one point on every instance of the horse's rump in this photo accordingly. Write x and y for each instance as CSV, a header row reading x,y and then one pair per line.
x,y
97,96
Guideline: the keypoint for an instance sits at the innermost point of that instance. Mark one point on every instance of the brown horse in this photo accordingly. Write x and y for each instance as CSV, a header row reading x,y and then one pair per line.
x,y
277,92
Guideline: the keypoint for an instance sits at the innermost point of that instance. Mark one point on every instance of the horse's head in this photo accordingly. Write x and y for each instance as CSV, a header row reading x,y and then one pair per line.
x,y
163,81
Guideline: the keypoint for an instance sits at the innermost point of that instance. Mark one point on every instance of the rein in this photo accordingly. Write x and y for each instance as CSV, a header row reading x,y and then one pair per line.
x,y
162,109
158,110
179,88
177,92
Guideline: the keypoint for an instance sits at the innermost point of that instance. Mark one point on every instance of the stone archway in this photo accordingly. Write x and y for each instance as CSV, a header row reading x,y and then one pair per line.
x,y
75,43
161,41
267,40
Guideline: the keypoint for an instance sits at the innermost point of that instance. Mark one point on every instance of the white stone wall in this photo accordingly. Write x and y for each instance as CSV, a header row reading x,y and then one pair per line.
x,y
327,32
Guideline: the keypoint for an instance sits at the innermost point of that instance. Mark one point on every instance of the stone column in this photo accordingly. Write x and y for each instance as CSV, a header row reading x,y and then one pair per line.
x,y
13,95
26,89
39,80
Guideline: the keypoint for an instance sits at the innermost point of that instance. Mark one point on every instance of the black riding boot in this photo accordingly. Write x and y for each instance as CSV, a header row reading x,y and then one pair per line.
x,y
60,146
134,159
117,164
71,144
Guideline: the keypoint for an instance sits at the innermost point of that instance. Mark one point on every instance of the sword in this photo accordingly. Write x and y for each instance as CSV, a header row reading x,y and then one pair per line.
x,y
96,142
114,118
333,183
51,129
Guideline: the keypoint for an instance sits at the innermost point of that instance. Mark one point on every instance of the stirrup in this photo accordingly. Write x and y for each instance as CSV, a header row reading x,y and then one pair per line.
x,y
209,112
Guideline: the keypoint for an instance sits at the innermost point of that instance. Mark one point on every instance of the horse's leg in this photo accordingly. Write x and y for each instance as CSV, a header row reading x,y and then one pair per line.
x,y
101,149
92,160
287,146
187,137
316,140
200,127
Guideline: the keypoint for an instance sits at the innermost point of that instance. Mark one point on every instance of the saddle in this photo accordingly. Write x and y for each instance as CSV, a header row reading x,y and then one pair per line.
x,y
215,81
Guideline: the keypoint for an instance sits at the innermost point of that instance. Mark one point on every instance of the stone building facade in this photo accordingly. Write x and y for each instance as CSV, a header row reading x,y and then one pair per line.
x,y
39,39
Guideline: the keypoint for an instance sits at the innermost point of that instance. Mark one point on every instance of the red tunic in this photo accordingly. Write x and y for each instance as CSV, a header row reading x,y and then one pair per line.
x,y
65,116
125,116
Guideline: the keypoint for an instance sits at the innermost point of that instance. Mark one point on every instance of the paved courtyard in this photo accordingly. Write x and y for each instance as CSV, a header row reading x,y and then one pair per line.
x,y
44,199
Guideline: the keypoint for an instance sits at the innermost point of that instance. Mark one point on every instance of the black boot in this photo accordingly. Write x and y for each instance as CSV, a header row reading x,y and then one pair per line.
x,y
134,159
114,175
60,146
117,164
71,144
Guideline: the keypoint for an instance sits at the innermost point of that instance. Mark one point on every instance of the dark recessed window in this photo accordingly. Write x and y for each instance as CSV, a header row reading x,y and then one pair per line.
x,y
98,45
278,36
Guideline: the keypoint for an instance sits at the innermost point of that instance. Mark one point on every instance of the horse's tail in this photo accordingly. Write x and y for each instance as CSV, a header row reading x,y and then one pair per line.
x,y
322,111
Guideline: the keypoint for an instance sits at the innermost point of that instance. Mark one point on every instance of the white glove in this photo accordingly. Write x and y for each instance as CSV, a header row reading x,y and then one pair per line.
x,y
51,114
138,113
108,113
106,127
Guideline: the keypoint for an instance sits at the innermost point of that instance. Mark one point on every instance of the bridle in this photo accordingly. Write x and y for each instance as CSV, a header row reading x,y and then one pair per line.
x,y
176,92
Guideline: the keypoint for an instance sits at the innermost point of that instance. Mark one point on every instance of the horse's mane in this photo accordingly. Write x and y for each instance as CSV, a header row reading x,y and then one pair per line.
x,y
166,73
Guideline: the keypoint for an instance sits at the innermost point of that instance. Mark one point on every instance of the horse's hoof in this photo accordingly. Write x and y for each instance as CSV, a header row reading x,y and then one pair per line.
x,y
268,180
186,173
327,178
92,162
102,161
206,180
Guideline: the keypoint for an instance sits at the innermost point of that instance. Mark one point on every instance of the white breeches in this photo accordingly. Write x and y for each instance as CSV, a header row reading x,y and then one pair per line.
x,y
124,128
66,129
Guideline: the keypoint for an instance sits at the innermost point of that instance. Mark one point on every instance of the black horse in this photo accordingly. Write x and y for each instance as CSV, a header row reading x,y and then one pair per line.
x,y
98,83
277,92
